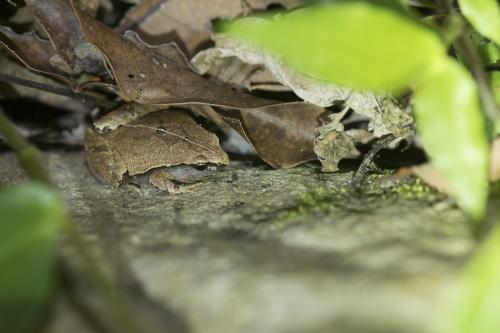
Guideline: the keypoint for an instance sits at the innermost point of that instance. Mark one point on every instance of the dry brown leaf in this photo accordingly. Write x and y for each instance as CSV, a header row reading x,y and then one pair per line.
x,y
35,53
188,22
63,29
158,139
147,77
282,135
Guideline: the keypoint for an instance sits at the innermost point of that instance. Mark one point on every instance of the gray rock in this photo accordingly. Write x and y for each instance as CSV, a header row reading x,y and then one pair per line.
x,y
250,249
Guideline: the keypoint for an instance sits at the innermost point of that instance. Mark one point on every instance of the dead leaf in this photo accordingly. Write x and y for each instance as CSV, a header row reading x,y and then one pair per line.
x,y
309,89
63,29
158,139
35,53
282,135
188,22
150,78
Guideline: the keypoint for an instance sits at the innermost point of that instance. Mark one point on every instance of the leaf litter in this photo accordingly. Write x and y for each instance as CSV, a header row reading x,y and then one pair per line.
x,y
162,93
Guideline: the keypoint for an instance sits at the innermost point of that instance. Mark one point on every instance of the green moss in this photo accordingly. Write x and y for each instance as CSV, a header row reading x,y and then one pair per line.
x,y
378,188
319,200
416,190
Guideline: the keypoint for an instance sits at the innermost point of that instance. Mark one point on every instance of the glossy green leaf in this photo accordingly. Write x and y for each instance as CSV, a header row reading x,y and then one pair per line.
x,y
474,304
484,15
355,44
30,216
451,125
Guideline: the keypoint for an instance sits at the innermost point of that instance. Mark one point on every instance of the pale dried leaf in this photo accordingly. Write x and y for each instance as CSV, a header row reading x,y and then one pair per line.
x,y
309,89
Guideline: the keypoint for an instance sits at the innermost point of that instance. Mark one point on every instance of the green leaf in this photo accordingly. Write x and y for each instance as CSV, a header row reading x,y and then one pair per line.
x,y
473,307
488,50
355,44
451,125
484,15
30,217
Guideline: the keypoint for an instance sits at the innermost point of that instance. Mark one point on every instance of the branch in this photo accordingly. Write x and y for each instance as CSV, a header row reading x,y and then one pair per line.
x,y
83,98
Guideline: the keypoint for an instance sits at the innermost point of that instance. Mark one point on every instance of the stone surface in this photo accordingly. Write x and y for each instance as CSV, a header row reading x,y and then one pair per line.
x,y
250,249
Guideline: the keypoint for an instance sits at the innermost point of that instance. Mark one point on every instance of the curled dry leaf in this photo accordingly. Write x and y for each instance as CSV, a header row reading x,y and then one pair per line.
x,y
334,144
188,22
57,19
309,89
35,53
159,139
387,117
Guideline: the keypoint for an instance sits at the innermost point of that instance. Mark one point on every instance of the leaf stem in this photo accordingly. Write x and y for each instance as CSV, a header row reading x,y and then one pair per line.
x,y
27,155
466,49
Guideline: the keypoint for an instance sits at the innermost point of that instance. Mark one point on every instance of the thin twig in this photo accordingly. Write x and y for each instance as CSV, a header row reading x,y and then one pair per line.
x,y
83,98
360,175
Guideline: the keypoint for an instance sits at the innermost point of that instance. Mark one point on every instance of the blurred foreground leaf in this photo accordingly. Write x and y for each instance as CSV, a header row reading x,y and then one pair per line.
x,y
448,116
364,46
30,216
354,44
484,15
474,305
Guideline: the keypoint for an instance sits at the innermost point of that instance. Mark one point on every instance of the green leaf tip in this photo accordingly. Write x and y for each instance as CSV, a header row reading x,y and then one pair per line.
x,y
484,16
